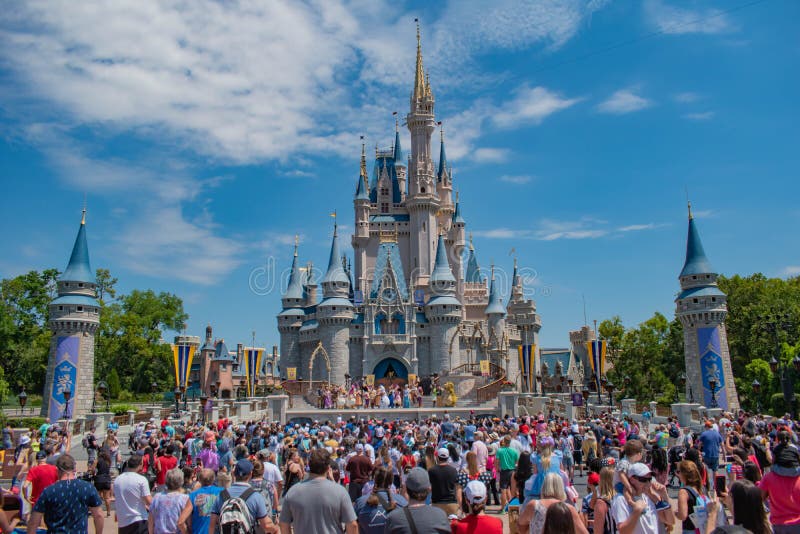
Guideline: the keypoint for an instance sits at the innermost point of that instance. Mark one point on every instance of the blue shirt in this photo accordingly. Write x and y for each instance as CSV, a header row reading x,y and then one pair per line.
x,y
372,519
710,440
469,433
65,506
203,501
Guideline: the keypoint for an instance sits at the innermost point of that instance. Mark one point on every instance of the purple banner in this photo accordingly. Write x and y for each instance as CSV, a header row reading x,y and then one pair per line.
x,y
577,399
711,366
65,376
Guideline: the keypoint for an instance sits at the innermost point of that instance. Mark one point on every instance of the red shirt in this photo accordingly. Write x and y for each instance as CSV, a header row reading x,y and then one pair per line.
x,y
165,463
41,476
477,524
784,498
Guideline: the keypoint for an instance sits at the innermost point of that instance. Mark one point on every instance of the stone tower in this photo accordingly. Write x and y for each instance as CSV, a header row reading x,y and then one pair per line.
x,y
74,318
334,315
290,319
522,314
443,311
701,308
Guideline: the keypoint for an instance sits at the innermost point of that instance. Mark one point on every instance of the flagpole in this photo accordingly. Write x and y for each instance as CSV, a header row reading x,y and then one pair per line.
x,y
596,347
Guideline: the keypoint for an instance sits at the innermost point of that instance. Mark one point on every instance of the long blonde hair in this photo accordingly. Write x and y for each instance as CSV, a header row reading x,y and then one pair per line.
x,y
545,452
472,464
606,486
553,487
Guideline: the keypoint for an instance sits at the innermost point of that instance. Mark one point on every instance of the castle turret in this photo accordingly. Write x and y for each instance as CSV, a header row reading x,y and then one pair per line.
x,y
458,240
360,239
444,184
290,319
495,311
74,318
334,314
522,314
702,308
443,311
399,166
422,201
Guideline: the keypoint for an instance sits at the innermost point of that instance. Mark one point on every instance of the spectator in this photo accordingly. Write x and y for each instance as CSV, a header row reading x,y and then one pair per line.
x,y
532,516
39,477
66,505
446,493
476,521
132,494
424,518
562,519
784,501
603,520
690,495
203,501
643,515
373,509
331,503
710,442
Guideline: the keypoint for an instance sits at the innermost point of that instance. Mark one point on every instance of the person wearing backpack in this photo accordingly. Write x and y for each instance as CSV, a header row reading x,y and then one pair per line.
x,y
600,503
240,508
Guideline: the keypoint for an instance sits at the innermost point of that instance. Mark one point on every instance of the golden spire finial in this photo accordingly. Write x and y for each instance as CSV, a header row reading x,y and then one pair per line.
x,y
296,242
419,77
441,131
689,204
83,213
363,170
492,270
456,196
471,246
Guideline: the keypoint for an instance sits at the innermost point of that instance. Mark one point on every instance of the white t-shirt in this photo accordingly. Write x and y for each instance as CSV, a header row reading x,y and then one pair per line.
x,y
130,490
272,473
648,521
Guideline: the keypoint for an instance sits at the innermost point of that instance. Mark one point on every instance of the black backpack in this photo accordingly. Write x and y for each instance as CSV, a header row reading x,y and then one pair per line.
x,y
761,455
674,431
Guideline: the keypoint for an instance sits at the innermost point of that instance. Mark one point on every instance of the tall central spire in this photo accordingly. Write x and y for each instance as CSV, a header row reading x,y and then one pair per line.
x,y
419,77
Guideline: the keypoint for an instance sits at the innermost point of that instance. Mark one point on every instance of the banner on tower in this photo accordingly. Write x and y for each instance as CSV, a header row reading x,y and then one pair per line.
x,y
711,366
358,297
419,297
484,367
370,379
182,356
65,375
252,368
291,373
527,366
597,358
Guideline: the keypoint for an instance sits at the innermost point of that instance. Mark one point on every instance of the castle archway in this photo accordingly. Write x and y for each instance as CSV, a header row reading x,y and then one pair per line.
x,y
390,371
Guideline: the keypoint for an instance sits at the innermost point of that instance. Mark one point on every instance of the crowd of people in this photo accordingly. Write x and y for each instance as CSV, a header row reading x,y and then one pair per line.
x,y
740,473
361,395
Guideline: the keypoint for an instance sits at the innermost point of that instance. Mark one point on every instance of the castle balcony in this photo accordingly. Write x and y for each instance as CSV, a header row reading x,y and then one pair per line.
x,y
390,339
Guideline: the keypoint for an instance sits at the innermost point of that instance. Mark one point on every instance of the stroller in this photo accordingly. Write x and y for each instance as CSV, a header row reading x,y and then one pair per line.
x,y
674,456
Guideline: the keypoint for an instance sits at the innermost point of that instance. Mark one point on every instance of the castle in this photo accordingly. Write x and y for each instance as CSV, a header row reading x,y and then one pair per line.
x,y
406,305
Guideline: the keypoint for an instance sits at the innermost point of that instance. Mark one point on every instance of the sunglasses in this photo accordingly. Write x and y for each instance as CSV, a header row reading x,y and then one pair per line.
x,y
644,479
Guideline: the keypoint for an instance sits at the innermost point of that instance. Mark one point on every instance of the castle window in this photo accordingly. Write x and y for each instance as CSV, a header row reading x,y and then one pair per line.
x,y
713,299
66,284
61,308
384,191
80,308
80,284
422,190
333,308
694,278
384,207
695,301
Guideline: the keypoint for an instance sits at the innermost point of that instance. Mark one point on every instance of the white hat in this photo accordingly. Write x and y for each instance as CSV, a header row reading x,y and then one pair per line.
x,y
24,440
443,454
640,470
475,491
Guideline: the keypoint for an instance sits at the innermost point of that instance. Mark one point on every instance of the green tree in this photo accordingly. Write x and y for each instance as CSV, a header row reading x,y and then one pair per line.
x,y
114,385
105,285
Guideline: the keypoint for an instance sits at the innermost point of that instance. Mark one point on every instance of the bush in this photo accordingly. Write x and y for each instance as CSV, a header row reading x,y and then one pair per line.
x,y
777,405
122,409
23,422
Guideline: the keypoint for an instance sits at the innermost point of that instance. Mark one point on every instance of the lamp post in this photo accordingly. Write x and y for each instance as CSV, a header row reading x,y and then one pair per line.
x,y
775,324
756,385
570,382
712,384
23,400
586,394
185,398
203,399
681,379
610,388
177,401
153,391
626,380
102,388
67,396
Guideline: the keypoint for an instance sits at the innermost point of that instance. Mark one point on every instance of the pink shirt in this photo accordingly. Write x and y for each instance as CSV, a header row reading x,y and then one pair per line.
x,y
784,498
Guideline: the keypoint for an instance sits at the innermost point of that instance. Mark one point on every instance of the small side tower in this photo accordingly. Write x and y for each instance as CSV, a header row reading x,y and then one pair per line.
x,y
290,319
361,205
74,318
495,311
334,314
443,312
702,309
522,314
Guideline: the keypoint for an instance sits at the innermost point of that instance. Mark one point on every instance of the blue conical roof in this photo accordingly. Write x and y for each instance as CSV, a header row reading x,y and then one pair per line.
x,y
295,288
442,161
696,259
79,268
457,218
473,270
441,269
495,302
361,190
335,271
398,152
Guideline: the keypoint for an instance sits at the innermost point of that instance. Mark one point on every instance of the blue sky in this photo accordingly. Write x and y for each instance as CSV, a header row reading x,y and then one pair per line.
x,y
205,135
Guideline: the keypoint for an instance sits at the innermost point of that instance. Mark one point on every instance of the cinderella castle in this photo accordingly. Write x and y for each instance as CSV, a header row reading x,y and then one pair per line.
x,y
406,304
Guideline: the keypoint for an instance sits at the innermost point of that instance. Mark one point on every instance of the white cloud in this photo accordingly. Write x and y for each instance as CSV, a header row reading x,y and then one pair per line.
x,y
678,20
531,104
704,214
623,101
699,116
553,230
791,271
515,179
490,155
686,97
636,227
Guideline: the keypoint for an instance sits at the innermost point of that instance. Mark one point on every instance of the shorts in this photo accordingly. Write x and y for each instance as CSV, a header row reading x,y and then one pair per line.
x,y
505,478
712,464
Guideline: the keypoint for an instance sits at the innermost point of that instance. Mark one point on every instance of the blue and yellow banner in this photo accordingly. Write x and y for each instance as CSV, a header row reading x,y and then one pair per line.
x,y
597,358
183,356
527,366
252,367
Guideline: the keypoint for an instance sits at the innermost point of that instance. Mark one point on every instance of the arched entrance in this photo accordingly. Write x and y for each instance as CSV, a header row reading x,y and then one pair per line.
x,y
320,371
390,371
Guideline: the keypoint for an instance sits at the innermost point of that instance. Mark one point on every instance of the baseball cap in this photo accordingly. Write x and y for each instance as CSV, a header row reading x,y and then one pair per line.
x,y
41,455
475,491
418,480
593,479
243,468
359,447
65,463
640,470
443,454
